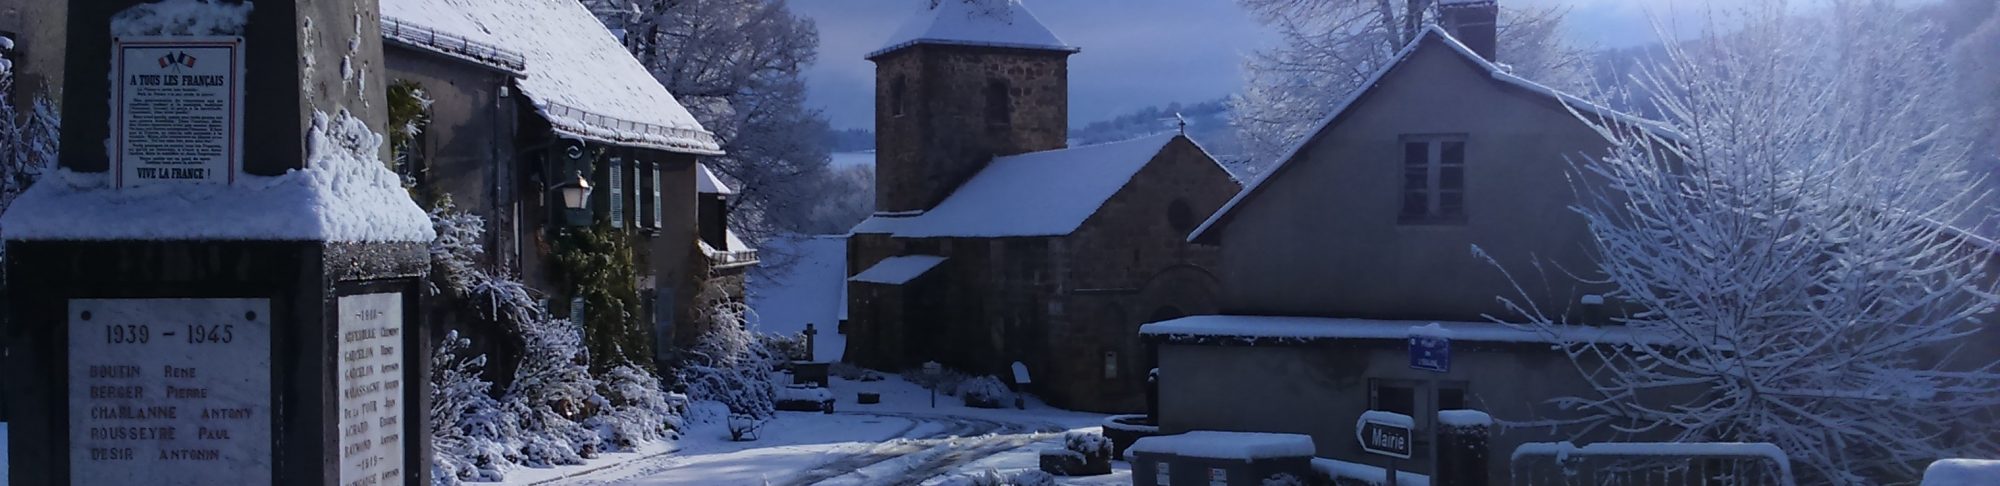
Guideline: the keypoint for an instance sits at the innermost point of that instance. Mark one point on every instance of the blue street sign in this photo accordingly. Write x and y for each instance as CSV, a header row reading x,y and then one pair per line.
x,y
1431,353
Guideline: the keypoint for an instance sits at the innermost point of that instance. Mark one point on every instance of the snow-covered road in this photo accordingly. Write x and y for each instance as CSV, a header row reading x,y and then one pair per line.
x,y
902,441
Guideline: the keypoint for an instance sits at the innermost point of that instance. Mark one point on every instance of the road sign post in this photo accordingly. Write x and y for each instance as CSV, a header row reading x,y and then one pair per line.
x,y
1385,433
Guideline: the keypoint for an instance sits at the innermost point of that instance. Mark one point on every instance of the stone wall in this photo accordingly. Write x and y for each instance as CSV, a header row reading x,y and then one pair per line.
x,y
943,133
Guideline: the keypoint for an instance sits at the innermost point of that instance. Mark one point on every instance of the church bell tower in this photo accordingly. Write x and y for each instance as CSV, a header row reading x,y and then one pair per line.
x,y
961,83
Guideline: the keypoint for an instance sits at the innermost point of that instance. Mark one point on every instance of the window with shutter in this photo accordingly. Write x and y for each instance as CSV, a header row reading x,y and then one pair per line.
x,y
659,201
617,192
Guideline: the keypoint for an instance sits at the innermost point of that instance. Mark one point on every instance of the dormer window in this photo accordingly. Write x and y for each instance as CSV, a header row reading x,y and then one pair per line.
x,y
999,104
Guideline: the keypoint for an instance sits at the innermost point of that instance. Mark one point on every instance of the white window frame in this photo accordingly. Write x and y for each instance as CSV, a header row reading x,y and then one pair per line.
x,y
617,184
1434,173
659,198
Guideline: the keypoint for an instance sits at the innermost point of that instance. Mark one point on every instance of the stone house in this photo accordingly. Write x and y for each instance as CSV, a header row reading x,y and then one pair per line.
x,y
526,96
994,243
1365,231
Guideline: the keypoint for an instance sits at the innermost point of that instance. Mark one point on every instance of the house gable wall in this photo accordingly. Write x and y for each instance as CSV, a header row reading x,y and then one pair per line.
x,y
1322,237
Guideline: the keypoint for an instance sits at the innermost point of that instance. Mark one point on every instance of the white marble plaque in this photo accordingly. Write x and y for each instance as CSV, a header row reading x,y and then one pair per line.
x,y
169,391
179,103
370,378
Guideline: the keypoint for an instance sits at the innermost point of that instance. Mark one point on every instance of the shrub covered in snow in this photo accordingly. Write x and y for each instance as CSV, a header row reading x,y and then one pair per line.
x,y
28,140
555,411
946,382
996,478
985,392
727,363
785,347
850,372
639,409
1089,444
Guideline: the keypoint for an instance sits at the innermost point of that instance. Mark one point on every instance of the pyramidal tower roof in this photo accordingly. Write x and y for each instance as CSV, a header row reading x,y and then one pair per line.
x,y
991,23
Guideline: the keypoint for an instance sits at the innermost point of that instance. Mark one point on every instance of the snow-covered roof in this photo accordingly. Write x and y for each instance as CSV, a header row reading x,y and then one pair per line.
x,y
1499,74
705,182
462,41
1303,329
1241,446
344,194
809,290
990,23
576,74
1962,472
898,270
1046,193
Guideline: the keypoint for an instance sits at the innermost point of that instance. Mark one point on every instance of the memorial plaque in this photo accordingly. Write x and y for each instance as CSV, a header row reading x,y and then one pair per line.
x,y
169,391
371,389
179,105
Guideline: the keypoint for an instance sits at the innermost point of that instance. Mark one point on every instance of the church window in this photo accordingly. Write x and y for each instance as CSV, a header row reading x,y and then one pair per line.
x,y
899,91
999,103
1433,179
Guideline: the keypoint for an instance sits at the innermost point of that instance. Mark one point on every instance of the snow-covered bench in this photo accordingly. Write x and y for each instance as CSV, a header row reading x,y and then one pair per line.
x,y
1210,457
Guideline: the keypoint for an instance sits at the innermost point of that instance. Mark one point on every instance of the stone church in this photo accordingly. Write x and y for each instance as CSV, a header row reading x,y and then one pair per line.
x,y
994,242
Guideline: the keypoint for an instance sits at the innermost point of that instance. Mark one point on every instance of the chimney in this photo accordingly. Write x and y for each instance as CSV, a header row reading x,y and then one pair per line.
x,y
1473,23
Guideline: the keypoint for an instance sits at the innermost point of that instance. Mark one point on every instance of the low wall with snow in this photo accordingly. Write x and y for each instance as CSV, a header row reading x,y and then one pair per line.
x,y
1319,389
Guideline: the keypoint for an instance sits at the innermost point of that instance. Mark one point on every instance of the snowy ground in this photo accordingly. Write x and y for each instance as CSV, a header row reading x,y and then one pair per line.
x,y
899,441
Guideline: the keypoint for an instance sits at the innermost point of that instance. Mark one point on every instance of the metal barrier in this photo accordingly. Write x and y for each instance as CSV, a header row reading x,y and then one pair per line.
x,y
1651,464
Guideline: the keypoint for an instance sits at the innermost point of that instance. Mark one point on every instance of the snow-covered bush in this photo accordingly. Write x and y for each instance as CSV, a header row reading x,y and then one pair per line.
x,y
1090,445
465,422
638,409
1283,479
785,347
985,392
728,364
28,142
946,382
850,372
993,477
554,411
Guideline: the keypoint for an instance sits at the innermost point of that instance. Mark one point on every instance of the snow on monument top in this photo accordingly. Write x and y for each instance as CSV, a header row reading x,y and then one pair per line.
x,y
992,23
580,78
345,194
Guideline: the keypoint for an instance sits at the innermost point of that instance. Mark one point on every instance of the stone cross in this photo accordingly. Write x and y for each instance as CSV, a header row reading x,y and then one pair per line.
x,y
810,332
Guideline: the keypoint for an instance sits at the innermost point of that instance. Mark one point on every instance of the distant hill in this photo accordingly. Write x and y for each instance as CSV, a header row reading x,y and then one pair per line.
x,y
1207,124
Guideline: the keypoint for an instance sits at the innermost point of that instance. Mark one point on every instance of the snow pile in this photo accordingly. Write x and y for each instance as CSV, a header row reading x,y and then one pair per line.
x,y
1343,472
809,290
1962,472
1242,446
1464,418
344,194
1430,331
1296,328
1044,193
1130,423
577,75
1391,419
898,270
181,17
994,23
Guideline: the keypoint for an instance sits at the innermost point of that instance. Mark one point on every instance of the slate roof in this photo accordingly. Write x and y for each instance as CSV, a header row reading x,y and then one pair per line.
x,y
991,23
577,76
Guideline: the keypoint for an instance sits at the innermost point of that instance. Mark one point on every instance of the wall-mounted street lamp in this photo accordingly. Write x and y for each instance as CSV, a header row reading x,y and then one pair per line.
x,y
576,192
575,198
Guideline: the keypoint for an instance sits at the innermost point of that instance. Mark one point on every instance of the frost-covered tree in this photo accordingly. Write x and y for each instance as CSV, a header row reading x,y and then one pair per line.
x,y
28,138
728,363
738,67
1328,48
1781,248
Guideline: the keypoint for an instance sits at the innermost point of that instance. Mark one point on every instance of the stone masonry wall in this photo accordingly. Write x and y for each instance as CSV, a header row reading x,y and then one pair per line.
x,y
943,134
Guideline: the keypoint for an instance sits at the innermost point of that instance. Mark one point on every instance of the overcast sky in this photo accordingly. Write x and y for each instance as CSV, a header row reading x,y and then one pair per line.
x,y
1136,53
